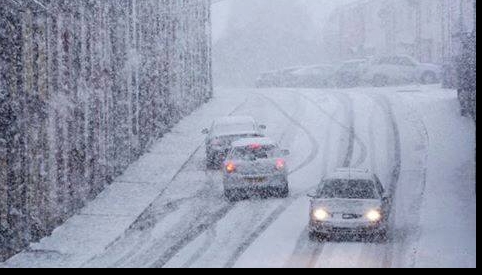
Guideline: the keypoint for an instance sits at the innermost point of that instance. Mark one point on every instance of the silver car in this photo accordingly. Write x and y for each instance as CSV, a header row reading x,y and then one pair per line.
x,y
255,166
350,201
225,131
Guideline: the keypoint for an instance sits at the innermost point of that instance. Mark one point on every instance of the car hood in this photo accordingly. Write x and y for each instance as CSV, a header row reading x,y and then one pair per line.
x,y
347,206
235,135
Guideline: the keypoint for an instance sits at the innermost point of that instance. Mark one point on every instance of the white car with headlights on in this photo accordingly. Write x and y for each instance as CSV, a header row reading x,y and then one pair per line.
x,y
255,166
223,132
350,201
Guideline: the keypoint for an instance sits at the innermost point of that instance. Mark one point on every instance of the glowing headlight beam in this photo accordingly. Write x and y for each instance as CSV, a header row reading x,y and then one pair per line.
x,y
374,215
320,214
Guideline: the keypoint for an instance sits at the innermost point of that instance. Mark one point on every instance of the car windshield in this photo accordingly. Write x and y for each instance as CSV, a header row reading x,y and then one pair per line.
x,y
350,66
234,127
313,71
252,153
347,189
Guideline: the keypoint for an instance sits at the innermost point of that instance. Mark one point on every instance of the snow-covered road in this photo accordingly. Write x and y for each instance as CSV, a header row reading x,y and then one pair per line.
x,y
412,137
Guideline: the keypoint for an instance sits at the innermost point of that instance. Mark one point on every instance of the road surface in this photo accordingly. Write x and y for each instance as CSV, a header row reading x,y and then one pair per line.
x,y
412,137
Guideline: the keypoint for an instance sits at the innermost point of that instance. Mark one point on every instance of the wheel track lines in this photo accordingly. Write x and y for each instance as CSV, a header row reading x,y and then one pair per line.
x,y
184,165
211,233
303,240
209,241
384,102
193,233
419,126
352,137
350,128
314,143
282,208
173,250
210,237
145,221
369,249
279,210
352,134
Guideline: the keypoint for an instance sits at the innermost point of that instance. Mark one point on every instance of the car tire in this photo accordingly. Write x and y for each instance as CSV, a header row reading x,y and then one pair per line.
x,y
284,192
429,78
317,237
314,236
233,195
380,81
380,236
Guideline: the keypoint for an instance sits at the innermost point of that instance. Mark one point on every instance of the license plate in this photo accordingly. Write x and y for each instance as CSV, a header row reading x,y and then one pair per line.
x,y
255,180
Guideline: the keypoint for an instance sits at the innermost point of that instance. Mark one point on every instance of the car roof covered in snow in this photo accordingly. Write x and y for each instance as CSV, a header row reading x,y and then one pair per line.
x,y
350,174
245,142
234,120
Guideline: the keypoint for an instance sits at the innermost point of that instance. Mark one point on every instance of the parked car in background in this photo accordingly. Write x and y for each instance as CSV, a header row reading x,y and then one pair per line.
x,y
350,73
316,76
278,78
223,132
399,70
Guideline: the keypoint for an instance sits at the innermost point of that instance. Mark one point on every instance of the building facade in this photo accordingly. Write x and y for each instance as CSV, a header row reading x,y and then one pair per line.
x,y
425,29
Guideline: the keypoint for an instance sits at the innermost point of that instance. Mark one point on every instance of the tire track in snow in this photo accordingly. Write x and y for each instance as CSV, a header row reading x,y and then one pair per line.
x,y
198,230
275,215
384,103
347,102
279,210
211,234
419,126
303,245
175,203
349,127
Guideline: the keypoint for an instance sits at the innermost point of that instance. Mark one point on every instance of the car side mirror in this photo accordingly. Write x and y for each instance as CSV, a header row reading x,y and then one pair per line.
x,y
205,131
285,152
262,127
386,200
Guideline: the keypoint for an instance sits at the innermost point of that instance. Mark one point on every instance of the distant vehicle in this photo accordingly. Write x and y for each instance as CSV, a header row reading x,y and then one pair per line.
x,y
317,76
400,69
279,78
350,73
255,165
223,132
350,201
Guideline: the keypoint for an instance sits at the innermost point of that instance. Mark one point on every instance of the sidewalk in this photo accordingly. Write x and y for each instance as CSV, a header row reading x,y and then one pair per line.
x,y
107,217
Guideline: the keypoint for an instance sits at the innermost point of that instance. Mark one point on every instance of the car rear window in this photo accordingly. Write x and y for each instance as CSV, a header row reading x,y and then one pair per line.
x,y
235,127
347,189
251,154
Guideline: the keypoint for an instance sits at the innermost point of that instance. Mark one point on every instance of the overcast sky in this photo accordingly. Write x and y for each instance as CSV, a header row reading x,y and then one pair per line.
x,y
319,9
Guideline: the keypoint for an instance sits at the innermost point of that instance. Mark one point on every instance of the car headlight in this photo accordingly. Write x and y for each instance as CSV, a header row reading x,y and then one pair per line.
x,y
374,215
320,214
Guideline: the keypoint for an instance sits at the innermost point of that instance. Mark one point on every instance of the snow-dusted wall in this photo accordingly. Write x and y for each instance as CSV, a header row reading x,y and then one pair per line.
x,y
85,87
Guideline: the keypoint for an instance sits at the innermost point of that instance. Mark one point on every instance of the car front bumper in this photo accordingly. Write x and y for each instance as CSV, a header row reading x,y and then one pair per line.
x,y
353,227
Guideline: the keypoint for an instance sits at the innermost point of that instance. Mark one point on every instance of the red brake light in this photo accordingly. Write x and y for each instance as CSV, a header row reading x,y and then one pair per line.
x,y
255,146
215,142
280,164
230,167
